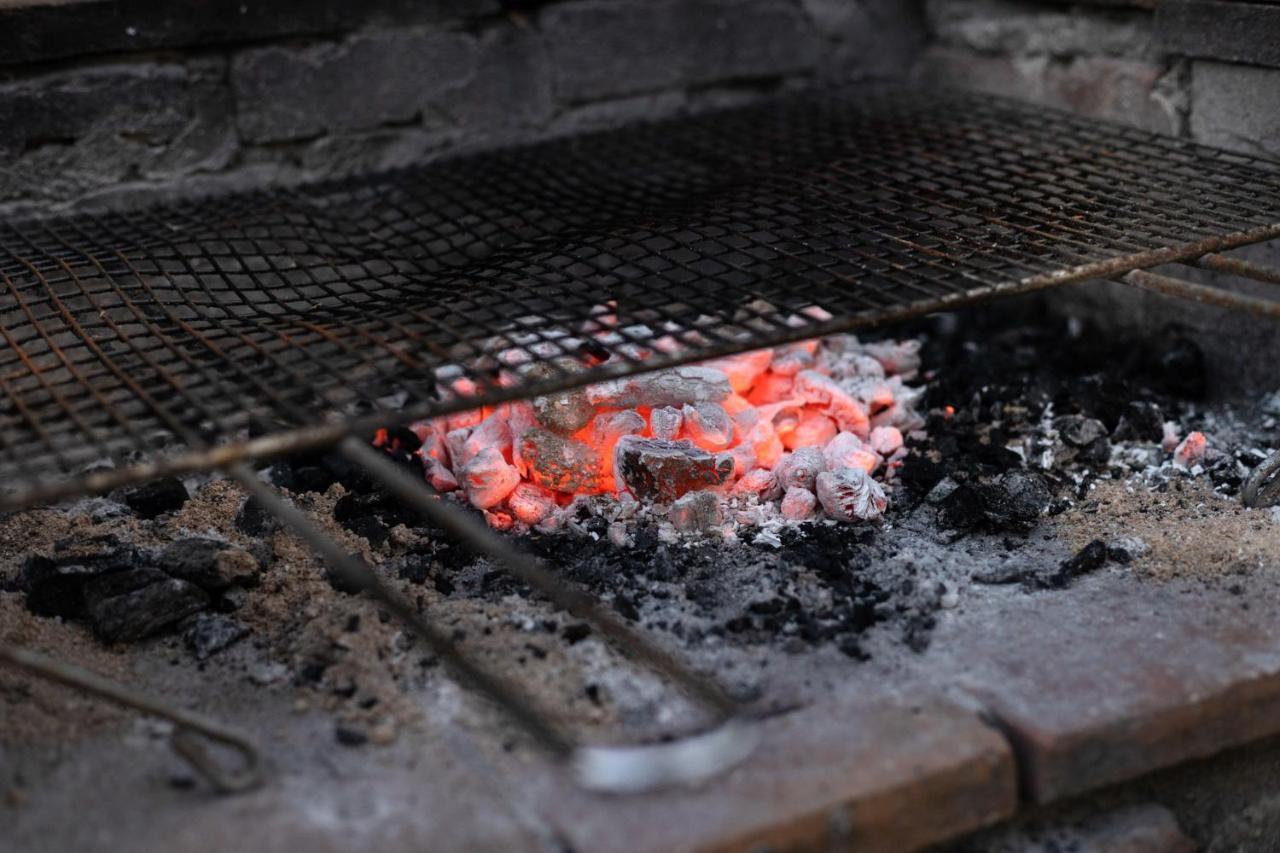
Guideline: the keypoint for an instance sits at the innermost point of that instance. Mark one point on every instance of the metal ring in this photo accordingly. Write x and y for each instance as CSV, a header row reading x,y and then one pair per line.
x,y
1263,486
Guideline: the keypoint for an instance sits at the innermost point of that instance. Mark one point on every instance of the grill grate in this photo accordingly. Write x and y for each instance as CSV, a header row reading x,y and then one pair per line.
x,y
173,333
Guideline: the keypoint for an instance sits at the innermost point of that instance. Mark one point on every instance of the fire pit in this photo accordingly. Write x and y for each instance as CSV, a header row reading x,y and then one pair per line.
x,y
727,479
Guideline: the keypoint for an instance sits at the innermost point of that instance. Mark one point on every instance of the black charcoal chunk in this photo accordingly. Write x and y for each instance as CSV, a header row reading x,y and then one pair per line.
x,y
130,605
55,585
209,564
254,520
1088,559
157,497
1140,421
661,471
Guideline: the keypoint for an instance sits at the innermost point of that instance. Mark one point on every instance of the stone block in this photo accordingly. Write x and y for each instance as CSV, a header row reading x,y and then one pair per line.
x,y
608,49
369,80
1216,29
1030,29
1236,107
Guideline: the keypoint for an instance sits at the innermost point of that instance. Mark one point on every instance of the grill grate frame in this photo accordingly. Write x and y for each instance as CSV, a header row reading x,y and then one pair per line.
x,y
162,339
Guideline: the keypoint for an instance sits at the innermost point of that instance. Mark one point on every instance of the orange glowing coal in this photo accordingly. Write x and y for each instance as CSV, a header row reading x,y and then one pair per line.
x,y
793,432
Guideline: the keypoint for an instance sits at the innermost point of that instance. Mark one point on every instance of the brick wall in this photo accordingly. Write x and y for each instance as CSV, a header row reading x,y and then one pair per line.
x,y
167,104
1208,70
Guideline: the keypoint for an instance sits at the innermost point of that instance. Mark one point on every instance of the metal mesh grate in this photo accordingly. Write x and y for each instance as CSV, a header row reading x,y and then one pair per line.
x,y
170,331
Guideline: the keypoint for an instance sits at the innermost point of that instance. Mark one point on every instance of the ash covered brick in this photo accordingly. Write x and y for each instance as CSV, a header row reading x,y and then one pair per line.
x,y
366,81
510,89
606,49
1236,107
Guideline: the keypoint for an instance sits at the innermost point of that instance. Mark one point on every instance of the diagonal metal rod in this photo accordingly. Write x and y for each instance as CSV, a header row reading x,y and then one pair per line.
x,y
531,571
352,573
223,779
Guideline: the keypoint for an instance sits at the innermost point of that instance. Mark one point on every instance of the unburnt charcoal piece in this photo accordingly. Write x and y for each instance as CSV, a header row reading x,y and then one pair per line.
x,y
1017,500
1088,559
254,520
206,634
55,585
209,564
1140,421
155,498
130,605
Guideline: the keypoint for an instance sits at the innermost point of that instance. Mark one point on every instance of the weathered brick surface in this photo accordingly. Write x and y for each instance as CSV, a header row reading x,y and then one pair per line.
x,y
607,48
1103,686
366,81
1143,94
876,776
1236,107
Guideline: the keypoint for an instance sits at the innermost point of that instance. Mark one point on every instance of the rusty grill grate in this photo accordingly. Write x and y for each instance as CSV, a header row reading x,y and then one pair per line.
x,y
171,332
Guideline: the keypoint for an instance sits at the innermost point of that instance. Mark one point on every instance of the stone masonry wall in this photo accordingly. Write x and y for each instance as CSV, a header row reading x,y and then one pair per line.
x,y
1208,70
122,125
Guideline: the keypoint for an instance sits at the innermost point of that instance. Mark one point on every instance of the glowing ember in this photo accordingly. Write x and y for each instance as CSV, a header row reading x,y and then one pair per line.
x,y
773,435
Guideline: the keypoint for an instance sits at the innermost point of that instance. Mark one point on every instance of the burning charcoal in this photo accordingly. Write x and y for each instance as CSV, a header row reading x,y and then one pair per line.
x,y
661,471
790,360
665,422
886,440
765,442
849,494
608,427
770,388
824,392
846,450
531,504
800,469
558,463
742,457
568,411
488,478
743,369
696,512
813,429
673,387
760,482
206,634
900,357
1190,452
492,433
1088,559
209,564
1140,421
439,476
798,504
455,441
707,425
157,497
130,605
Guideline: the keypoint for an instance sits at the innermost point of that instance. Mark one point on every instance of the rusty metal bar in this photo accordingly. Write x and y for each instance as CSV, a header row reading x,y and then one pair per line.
x,y
1183,289
186,739
1263,486
1235,266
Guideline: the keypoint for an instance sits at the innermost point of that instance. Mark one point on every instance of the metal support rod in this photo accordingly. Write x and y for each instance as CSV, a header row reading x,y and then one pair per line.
x,y
1182,289
184,740
352,573
1263,486
1235,266
531,571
